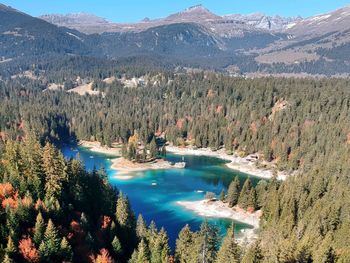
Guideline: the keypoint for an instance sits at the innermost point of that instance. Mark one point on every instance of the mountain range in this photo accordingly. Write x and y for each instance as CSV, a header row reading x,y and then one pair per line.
x,y
195,37
224,26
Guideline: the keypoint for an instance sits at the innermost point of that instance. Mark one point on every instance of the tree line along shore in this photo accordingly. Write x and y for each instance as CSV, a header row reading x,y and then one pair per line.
x,y
297,124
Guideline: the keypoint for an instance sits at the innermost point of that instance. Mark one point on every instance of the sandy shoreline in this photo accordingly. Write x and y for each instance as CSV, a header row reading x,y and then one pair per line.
x,y
236,163
98,148
124,167
218,209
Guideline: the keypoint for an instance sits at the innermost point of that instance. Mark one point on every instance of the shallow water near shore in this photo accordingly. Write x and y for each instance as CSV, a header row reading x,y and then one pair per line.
x,y
154,193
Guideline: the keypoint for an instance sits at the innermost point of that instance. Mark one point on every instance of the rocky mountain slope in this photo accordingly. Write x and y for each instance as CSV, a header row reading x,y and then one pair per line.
x,y
262,21
240,44
83,22
224,26
324,37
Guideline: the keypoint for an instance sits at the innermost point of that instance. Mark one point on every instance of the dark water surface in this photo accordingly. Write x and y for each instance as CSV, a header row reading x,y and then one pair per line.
x,y
154,193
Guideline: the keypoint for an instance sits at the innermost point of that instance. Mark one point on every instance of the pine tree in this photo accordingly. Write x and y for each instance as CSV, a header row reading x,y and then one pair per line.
x,y
233,192
159,248
39,229
325,252
84,222
55,171
252,202
153,148
132,152
33,171
229,250
66,250
163,241
245,196
141,227
152,231
117,247
222,196
124,215
141,254
261,192
10,247
207,242
184,245
50,246
254,254
124,151
163,151
7,259
126,222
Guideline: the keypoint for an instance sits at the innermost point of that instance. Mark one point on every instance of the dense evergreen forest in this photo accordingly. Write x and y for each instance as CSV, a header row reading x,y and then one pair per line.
x,y
297,124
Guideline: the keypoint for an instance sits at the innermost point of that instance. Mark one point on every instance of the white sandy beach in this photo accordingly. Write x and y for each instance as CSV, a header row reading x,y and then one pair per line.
x,y
98,148
125,167
236,163
218,209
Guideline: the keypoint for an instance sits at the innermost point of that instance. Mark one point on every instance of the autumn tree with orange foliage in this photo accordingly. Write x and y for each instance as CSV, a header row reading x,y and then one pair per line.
x,y
103,257
28,250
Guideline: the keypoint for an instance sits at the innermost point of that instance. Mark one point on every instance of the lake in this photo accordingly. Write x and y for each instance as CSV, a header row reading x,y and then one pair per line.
x,y
154,193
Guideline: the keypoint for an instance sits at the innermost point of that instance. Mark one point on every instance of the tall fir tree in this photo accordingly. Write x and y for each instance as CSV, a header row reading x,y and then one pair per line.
x,y
207,242
184,246
159,248
233,192
117,247
252,201
55,171
127,225
253,254
222,196
153,148
39,229
10,247
141,227
141,254
245,195
66,252
229,250
50,246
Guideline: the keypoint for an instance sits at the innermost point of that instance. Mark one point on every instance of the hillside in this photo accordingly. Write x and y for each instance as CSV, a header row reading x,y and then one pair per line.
x,y
251,45
24,36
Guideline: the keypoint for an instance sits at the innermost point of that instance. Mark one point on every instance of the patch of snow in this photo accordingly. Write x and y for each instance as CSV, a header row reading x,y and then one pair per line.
x,y
318,18
75,36
291,25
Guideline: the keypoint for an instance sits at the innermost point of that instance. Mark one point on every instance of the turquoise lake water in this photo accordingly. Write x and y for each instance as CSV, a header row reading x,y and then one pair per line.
x,y
154,193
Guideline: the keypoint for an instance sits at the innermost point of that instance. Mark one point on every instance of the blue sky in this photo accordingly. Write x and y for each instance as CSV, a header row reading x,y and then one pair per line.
x,y
135,10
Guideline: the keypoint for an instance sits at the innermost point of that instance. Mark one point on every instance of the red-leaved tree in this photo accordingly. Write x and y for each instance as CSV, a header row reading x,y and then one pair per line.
x,y
28,250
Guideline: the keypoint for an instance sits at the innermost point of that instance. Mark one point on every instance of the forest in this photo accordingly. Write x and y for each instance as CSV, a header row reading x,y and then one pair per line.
x,y
297,124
